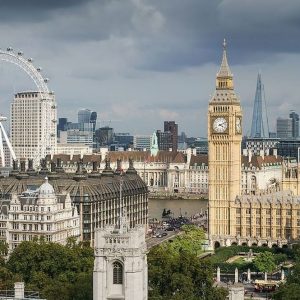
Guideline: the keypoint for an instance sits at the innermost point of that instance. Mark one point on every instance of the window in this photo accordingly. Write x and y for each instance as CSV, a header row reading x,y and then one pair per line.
x,y
257,231
248,231
117,273
278,232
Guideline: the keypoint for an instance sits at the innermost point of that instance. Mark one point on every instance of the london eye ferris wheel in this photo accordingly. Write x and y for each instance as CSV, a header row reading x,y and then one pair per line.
x,y
26,64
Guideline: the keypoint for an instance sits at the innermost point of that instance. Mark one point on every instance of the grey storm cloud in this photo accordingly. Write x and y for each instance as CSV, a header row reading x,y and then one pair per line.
x,y
157,58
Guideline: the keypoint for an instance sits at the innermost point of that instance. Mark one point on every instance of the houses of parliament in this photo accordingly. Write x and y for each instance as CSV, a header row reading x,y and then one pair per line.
x,y
268,217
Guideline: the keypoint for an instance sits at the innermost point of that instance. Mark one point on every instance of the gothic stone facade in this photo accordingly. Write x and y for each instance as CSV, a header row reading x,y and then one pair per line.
x,y
120,268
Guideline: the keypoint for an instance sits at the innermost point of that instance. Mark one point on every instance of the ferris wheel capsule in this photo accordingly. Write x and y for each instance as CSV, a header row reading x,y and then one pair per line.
x,y
46,80
9,49
30,60
20,53
39,69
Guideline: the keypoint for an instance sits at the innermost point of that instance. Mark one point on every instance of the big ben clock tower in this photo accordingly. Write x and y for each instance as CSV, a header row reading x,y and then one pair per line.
x,y
224,155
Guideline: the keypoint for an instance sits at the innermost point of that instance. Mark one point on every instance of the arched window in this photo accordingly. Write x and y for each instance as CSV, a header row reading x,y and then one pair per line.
x,y
117,273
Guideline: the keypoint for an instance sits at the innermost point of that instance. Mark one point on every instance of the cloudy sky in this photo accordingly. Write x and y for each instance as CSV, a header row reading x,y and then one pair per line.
x,y
139,62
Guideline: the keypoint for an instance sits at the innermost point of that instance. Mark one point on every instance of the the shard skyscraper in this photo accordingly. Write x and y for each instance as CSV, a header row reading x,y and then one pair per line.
x,y
260,126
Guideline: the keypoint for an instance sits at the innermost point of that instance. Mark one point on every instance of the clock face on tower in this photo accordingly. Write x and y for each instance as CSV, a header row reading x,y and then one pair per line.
x,y
220,125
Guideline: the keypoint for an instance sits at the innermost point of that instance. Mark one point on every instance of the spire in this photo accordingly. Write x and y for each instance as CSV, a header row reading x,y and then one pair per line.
x,y
224,69
260,126
224,77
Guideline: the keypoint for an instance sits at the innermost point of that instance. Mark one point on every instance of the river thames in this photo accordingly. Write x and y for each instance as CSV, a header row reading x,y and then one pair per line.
x,y
185,207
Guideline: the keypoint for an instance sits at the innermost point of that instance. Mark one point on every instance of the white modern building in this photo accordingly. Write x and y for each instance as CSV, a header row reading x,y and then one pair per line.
x,y
41,213
74,149
33,125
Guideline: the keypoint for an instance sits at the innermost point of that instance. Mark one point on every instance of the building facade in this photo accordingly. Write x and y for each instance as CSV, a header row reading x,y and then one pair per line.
x,y
284,128
33,125
120,268
295,124
172,127
265,217
256,145
142,142
104,136
224,148
270,218
41,213
96,194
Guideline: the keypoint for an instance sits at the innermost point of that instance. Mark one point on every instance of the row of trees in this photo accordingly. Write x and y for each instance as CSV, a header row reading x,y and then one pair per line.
x,y
291,288
176,272
56,271
65,272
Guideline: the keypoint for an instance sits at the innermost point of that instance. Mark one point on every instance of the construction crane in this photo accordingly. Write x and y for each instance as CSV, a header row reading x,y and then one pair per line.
x,y
109,122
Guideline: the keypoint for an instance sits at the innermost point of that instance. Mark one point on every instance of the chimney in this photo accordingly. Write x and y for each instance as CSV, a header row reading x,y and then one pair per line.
x,y
23,166
245,152
249,155
267,152
53,166
262,153
275,152
19,290
95,166
188,155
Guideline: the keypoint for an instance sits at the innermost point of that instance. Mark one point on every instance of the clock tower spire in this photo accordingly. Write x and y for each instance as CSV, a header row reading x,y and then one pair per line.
x,y
224,142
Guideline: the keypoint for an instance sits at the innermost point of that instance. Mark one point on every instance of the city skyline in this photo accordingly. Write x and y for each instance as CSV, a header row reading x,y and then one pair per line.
x,y
145,62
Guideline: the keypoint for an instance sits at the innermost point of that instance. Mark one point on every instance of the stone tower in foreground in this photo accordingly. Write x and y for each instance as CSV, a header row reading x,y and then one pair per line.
x,y
120,267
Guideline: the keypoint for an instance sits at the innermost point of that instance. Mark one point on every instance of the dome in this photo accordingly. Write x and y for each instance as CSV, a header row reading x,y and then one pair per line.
x,y
46,188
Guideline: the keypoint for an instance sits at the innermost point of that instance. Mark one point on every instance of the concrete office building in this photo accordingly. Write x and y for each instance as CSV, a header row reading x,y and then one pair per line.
x,y
284,128
33,125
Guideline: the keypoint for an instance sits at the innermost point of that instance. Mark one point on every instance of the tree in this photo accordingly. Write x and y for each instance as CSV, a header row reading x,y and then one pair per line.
x,y
291,289
265,262
190,241
3,252
177,273
56,271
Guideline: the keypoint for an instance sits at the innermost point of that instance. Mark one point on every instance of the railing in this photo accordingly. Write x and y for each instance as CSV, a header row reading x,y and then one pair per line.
x,y
10,294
